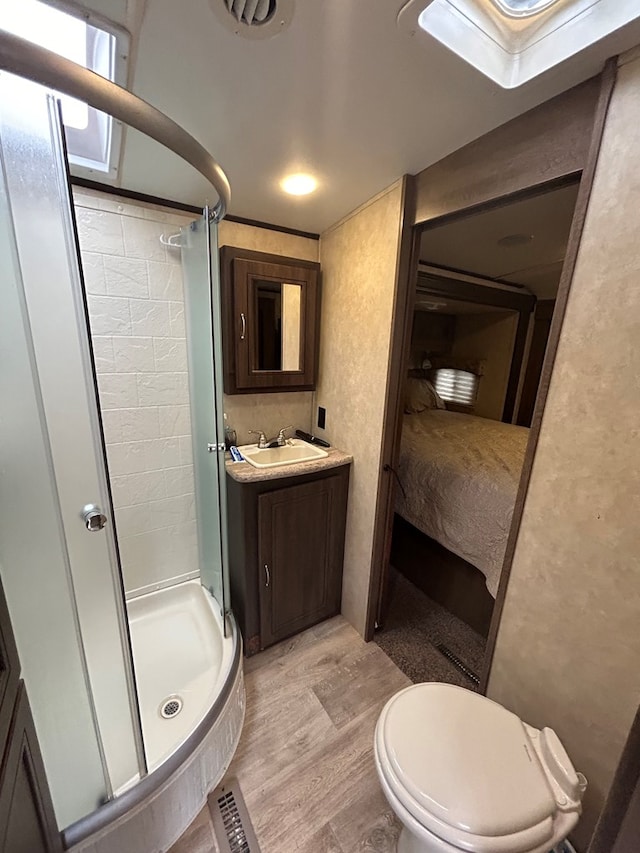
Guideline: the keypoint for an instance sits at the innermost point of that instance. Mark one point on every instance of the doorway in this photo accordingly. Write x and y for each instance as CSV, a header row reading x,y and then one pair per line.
x,y
485,289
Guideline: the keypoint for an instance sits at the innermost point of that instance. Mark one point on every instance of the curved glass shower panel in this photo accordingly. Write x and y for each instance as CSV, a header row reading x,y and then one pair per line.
x,y
204,344
34,562
60,573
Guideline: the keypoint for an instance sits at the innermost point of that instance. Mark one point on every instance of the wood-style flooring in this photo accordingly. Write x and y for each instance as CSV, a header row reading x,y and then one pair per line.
x,y
305,758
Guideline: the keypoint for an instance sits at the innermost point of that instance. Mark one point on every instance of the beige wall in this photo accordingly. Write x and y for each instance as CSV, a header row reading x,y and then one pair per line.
x,y
489,337
268,412
358,257
568,648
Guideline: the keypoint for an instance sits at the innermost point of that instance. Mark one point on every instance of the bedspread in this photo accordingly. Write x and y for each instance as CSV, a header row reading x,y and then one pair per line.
x,y
460,474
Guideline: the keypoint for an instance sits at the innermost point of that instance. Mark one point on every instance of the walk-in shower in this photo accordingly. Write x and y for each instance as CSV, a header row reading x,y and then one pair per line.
x,y
113,517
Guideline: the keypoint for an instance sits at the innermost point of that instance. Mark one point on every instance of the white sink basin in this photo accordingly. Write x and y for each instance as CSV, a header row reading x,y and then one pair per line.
x,y
296,450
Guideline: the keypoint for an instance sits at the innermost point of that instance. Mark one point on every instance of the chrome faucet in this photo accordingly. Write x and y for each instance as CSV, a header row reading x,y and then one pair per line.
x,y
282,438
278,441
262,439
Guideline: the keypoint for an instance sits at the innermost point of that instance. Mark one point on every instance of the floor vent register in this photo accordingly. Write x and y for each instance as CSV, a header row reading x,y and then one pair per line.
x,y
231,822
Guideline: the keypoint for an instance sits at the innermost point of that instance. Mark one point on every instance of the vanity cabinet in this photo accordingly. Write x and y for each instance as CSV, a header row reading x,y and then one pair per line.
x,y
270,315
27,821
286,552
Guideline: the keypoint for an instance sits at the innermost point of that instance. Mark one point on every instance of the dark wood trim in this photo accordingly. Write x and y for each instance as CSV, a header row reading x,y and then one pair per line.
x,y
188,208
618,828
535,358
282,229
515,371
547,143
403,303
454,271
88,184
481,294
607,83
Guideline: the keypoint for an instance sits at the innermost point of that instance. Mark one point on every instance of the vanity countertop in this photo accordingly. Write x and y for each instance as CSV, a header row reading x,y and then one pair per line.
x,y
243,472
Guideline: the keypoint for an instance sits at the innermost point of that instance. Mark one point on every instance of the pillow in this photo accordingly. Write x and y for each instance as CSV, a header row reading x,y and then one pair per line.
x,y
419,395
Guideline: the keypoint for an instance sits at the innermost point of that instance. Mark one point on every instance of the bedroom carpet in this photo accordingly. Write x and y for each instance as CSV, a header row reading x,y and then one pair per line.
x,y
416,625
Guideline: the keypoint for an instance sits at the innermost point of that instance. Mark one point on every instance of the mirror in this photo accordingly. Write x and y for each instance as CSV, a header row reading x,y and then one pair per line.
x,y
278,330
271,310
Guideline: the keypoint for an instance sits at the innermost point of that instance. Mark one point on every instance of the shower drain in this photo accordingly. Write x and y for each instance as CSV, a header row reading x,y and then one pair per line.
x,y
170,706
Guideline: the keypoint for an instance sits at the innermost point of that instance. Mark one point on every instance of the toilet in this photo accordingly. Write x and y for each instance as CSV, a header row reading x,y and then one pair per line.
x,y
464,774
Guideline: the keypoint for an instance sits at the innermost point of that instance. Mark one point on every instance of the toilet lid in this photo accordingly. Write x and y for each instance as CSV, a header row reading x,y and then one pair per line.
x,y
464,766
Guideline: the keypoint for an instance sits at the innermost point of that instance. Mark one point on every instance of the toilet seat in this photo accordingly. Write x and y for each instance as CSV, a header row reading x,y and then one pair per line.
x,y
481,780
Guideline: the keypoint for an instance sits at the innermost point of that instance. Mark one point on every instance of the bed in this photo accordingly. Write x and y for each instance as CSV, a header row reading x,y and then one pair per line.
x,y
460,475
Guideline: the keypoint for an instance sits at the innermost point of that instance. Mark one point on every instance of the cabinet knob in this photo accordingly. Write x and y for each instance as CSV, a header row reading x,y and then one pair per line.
x,y
267,575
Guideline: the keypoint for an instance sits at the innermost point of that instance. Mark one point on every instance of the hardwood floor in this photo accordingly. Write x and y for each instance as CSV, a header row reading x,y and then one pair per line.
x,y
305,759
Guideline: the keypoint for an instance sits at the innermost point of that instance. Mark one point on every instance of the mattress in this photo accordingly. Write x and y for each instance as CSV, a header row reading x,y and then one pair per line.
x,y
460,474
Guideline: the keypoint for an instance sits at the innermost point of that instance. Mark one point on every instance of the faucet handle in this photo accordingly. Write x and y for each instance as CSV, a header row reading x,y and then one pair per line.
x,y
281,435
262,438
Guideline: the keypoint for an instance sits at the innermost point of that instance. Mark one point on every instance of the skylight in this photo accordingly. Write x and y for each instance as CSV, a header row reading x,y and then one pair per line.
x,y
523,8
513,41
92,137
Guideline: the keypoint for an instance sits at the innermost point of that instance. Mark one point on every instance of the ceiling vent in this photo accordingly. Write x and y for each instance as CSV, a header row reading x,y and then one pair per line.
x,y
254,19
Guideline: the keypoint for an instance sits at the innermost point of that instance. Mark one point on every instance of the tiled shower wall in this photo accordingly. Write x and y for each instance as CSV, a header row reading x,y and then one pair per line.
x,y
136,309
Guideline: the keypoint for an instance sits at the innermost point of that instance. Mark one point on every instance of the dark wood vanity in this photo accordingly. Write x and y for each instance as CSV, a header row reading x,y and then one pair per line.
x,y
270,315
286,550
27,820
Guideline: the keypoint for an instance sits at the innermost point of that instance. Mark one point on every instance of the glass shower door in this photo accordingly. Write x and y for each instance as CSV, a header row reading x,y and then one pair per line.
x,y
204,343
59,566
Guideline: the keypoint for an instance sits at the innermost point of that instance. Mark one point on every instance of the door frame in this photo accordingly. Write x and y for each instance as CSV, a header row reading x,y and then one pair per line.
x,y
619,824
546,147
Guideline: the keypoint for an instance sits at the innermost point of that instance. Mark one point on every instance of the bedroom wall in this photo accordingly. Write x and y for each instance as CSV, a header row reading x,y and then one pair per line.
x,y
569,641
489,337
358,257
268,412
431,333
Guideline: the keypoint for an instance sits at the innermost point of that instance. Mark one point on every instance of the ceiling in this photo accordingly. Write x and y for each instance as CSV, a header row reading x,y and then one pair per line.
x,y
471,244
341,93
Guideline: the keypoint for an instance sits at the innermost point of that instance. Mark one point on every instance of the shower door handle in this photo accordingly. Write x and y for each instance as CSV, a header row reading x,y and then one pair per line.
x,y
93,518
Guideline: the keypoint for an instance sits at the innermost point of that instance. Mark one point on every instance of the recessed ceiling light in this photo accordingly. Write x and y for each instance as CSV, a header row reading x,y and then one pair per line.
x,y
299,184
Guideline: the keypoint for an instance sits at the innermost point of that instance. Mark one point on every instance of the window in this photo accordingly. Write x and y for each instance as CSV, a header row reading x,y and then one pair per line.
x,y
93,138
456,386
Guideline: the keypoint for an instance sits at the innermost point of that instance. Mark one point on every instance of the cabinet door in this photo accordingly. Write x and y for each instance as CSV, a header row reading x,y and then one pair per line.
x,y
27,822
271,315
301,541
9,671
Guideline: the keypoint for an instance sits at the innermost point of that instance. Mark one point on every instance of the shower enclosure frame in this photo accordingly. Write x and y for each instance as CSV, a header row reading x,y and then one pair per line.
x,y
27,60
